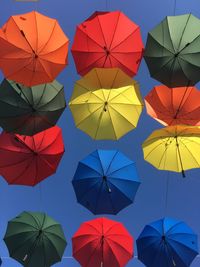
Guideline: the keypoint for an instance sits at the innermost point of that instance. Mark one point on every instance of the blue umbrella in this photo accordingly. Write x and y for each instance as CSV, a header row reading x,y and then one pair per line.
x,y
167,243
106,181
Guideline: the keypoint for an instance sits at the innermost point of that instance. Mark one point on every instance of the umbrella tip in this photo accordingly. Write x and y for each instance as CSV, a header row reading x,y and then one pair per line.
x,y
183,173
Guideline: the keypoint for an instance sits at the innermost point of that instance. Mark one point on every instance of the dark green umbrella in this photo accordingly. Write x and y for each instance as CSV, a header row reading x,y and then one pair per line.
x,y
35,240
29,110
173,51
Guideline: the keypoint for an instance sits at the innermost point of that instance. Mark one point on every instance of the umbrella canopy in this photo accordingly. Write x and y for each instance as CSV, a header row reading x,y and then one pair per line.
x,y
106,104
27,160
33,49
171,106
106,181
172,51
35,239
27,111
173,148
107,39
167,243
102,243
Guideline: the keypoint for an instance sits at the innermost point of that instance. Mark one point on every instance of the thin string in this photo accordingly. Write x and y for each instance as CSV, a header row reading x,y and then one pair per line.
x,y
40,197
175,5
166,195
106,4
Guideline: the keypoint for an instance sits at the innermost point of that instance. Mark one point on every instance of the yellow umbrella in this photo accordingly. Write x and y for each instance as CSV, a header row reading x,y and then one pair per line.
x,y
106,104
173,148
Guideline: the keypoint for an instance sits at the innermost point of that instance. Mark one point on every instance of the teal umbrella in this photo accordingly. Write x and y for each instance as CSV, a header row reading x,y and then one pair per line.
x,y
35,240
29,110
172,51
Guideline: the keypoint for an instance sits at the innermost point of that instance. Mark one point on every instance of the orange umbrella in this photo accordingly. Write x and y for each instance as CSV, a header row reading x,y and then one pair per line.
x,y
171,106
33,49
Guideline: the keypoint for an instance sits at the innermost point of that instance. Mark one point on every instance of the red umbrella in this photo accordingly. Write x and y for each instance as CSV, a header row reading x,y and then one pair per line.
x,y
171,106
27,160
108,39
102,243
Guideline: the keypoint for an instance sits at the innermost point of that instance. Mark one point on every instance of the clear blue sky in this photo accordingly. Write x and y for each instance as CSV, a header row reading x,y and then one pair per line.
x,y
55,195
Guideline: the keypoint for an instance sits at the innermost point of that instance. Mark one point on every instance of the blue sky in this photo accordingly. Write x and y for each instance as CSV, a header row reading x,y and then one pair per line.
x,y
55,195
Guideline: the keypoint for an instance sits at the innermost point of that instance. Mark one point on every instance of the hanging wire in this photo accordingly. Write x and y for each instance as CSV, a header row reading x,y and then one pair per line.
x,y
40,197
175,5
106,4
166,194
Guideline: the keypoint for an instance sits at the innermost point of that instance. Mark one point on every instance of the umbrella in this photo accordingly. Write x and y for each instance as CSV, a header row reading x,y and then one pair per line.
x,y
171,106
31,110
172,51
173,148
102,243
33,49
35,239
27,160
167,243
106,104
107,39
106,181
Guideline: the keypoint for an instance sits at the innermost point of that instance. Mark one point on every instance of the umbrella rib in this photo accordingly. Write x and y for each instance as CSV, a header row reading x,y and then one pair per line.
x,y
51,34
57,236
116,74
87,36
128,99
86,244
190,153
91,168
111,55
115,257
98,195
101,30
16,249
111,161
40,99
123,116
121,192
21,91
118,244
126,40
171,59
169,37
181,244
16,178
53,51
144,145
23,36
42,140
86,192
36,26
112,124
161,45
24,224
99,80
78,124
115,30
53,142
20,69
184,31
46,236
177,254
14,164
92,254
92,64
34,219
